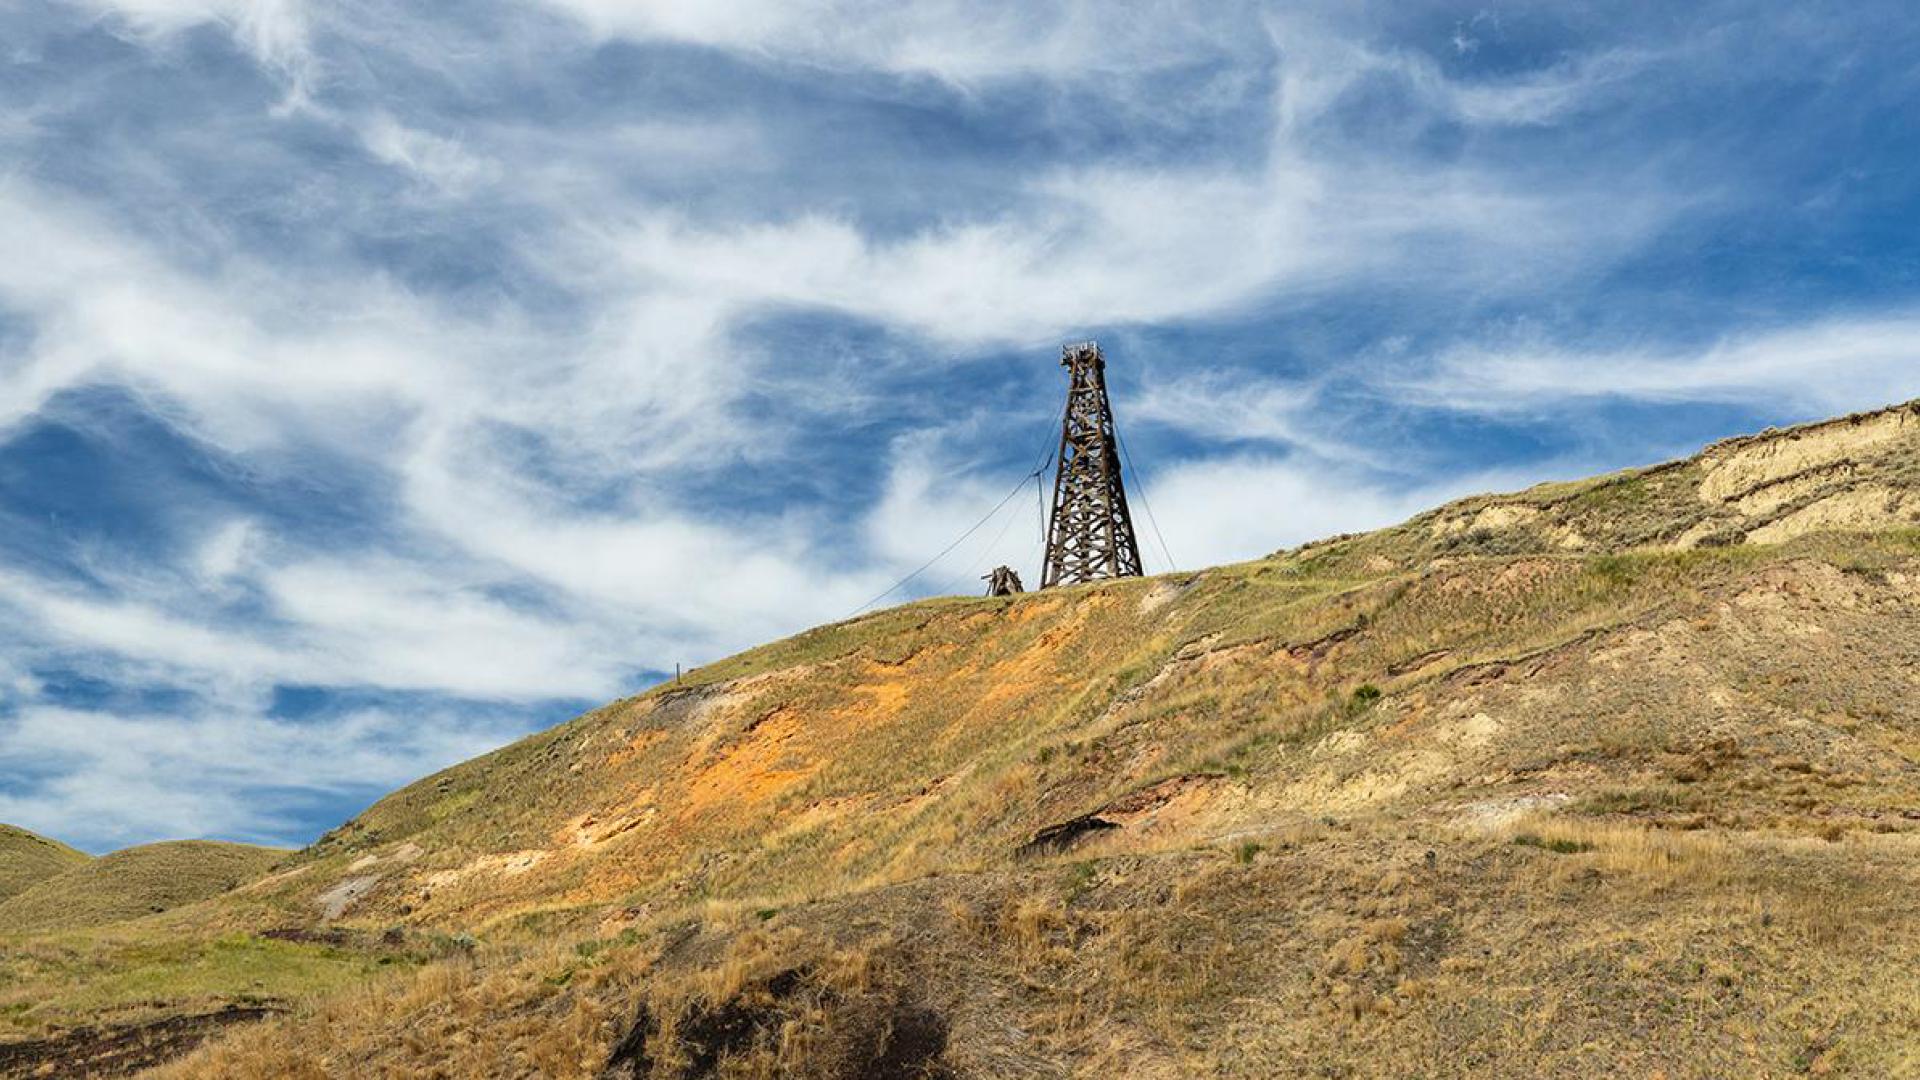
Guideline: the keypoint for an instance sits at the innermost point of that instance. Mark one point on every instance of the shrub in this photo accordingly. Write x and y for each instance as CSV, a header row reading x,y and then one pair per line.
x,y
1556,845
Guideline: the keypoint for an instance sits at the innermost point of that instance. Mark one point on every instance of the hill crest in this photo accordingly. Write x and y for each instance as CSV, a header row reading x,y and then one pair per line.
x,y
27,858
133,883
1857,472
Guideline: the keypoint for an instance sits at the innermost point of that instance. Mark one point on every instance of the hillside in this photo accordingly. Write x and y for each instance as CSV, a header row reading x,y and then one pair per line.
x,y
28,858
133,882
92,984
1613,776
942,734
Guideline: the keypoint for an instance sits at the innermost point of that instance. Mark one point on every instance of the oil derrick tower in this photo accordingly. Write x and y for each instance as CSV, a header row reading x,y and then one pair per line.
x,y
1090,534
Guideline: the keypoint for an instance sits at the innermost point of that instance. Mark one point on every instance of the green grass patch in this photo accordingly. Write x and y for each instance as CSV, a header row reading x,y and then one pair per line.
x,y
1632,800
1363,698
68,978
1557,846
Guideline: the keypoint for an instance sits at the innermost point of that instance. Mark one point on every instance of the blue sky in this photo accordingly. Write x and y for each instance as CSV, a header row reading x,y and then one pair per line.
x,y
382,381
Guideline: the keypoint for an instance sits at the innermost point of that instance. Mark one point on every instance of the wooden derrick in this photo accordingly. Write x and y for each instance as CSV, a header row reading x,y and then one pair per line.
x,y
1090,533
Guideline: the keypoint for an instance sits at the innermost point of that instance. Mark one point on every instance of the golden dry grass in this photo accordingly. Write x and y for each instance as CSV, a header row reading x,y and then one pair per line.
x,y
1435,801
132,883
26,859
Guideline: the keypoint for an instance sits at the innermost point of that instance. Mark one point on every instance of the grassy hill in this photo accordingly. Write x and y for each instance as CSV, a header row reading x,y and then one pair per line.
x,y
28,858
942,735
132,883
1618,776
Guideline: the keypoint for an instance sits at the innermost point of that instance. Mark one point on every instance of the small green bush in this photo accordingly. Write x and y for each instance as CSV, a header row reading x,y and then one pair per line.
x,y
1558,847
1363,698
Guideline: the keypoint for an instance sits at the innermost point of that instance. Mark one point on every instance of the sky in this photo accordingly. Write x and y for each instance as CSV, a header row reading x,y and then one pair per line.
x,y
382,381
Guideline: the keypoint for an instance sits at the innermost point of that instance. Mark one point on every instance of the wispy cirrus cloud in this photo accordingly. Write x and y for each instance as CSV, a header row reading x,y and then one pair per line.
x,y
438,160
113,778
275,32
946,39
1115,246
1823,365
1238,410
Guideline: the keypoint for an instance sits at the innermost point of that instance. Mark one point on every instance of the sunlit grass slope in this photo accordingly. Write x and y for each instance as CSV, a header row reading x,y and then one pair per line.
x,y
940,736
134,882
27,858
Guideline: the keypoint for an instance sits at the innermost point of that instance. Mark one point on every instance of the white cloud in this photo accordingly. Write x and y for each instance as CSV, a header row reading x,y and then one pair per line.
x,y
443,162
1322,47
1324,54
1229,509
1118,242
931,502
227,550
148,636
242,347
962,41
361,619
652,581
413,392
224,772
1825,366
1541,97
1242,407
275,32
1114,245
410,626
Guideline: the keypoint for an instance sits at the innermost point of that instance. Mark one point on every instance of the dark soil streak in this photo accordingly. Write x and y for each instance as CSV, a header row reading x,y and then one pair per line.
x,y
123,1050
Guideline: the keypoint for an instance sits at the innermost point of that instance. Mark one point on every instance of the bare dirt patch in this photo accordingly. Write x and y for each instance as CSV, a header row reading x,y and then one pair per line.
x,y
1738,467
1133,810
335,901
1863,508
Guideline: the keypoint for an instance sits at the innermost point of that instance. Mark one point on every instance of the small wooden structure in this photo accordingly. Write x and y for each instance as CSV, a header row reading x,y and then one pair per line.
x,y
1003,581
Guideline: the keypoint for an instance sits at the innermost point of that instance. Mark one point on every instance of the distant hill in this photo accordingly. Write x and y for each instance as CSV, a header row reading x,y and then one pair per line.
x,y
132,883
28,858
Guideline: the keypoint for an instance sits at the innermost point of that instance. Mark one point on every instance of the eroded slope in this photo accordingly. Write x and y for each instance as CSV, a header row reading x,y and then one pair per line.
x,y
1859,472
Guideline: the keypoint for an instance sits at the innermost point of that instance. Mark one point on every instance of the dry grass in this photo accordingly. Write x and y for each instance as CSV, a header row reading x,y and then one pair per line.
x,y
1509,790
133,883
1331,948
1296,938
1660,858
26,859
537,1012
